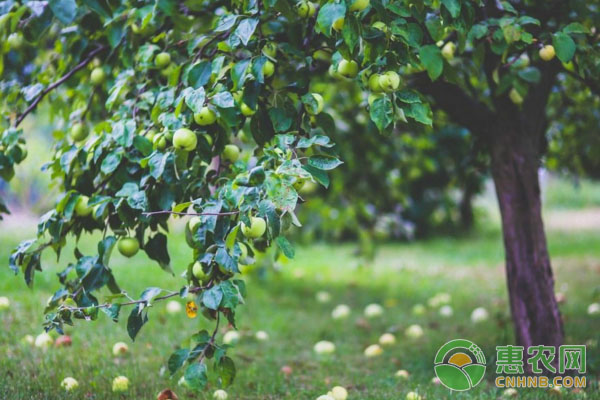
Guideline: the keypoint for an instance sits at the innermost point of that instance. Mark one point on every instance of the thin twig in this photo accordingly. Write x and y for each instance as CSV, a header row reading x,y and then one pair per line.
x,y
212,339
133,302
56,84
190,214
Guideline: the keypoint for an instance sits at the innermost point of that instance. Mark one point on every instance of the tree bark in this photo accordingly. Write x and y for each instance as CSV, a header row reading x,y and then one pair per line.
x,y
515,164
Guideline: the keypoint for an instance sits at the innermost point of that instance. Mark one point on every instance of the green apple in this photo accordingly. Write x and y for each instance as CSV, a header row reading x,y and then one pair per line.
x,y
320,103
220,395
69,384
231,153
193,223
128,246
299,184
380,26
185,139
120,384
322,55
515,97
159,142
348,68
81,207
246,110
205,116
119,349
162,60
198,272
270,49
359,5
243,250
257,228
305,9
97,76
547,52
374,83
150,135
268,69
338,24
333,72
15,41
23,150
79,132
448,51
389,81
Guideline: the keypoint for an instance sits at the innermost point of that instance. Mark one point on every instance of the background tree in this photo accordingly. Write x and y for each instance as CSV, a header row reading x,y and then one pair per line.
x,y
210,109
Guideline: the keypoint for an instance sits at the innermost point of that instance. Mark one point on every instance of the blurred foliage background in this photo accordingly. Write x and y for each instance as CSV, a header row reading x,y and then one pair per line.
x,y
419,183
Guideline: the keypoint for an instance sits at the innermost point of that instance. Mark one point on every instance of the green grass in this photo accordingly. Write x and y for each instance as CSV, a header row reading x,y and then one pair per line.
x,y
283,304
571,193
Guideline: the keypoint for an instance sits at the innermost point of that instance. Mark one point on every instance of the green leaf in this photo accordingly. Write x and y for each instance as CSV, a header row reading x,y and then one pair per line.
x,y
280,118
453,6
477,31
246,29
177,359
575,27
143,145
105,247
150,293
212,298
226,22
419,112
351,32
238,73
408,96
231,295
156,248
138,201
225,369
435,28
225,260
564,45
324,162
111,162
319,175
199,74
329,13
285,246
194,98
432,60
195,376
223,100
382,112
530,74
112,311
64,10
136,320
319,140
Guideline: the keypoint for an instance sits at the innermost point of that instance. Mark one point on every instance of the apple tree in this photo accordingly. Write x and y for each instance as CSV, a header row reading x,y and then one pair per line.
x,y
208,110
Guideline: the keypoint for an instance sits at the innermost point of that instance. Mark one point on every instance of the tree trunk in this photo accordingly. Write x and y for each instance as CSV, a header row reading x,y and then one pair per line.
x,y
515,163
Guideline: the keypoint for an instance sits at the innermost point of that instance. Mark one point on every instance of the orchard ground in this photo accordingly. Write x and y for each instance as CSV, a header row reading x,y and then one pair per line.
x,y
283,303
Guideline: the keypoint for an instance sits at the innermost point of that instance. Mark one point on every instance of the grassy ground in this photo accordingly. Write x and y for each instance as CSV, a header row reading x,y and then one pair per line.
x,y
283,304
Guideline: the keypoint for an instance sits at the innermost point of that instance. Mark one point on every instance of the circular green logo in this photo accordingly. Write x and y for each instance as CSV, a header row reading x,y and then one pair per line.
x,y
460,364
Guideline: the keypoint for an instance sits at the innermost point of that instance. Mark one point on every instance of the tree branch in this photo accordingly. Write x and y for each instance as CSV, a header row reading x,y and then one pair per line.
x,y
56,84
190,214
462,108
133,302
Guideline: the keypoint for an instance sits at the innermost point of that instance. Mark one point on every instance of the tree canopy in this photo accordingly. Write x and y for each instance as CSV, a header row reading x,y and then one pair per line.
x,y
220,111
